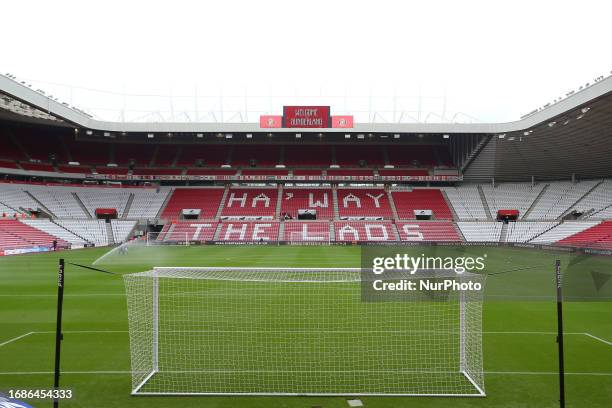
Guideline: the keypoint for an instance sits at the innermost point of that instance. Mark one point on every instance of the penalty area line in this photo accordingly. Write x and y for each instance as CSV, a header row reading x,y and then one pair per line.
x,y
16,338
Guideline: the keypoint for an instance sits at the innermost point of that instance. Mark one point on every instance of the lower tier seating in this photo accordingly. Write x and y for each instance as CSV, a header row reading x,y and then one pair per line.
x,y
189,231
598,236
307,231
249,231
421,199
480,231
364,231
15,234
428,231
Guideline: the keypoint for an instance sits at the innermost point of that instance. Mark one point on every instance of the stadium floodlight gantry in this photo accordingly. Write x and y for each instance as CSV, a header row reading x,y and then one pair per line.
x,y
300,331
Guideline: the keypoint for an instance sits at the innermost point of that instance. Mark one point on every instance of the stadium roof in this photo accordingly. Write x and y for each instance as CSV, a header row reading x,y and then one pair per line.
x,y
583,98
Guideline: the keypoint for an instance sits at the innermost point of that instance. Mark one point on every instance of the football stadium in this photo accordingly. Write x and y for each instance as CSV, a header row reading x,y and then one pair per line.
x,y
305,257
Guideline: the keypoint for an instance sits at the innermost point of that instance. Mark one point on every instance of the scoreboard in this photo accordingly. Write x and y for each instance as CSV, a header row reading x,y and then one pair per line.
x,y
305,117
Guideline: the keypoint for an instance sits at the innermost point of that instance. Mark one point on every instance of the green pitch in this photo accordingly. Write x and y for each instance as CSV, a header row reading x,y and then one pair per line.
x,y
519,325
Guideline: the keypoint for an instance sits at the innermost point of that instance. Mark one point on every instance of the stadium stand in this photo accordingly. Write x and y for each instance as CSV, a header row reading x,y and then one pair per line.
x,y
138,154
412,156
205,199
598,236
511,196
355,155
147,203
558,198
307,231
350,172
526,231
93,231
294,199
563,230
262,156
15,234
363,203
428,231
349,231
13,199
122,229
59,200
93,198
466,202
189,231
209,155
480,231
250,202
598,203
403,172
308,156
406,202
249,231
55,230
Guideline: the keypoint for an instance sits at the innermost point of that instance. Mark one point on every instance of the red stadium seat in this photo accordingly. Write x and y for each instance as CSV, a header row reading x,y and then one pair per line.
x,y
306,231
599,236
205,199
421,199
428,231
250,202
373,203
295,199
249,231
349,231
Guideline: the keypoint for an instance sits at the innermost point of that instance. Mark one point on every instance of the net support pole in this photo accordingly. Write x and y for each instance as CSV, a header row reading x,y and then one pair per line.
x,y
560,333
58,328
155,322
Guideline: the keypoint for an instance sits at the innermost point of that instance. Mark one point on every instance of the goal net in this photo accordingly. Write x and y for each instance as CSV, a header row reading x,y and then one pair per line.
x,y
286,331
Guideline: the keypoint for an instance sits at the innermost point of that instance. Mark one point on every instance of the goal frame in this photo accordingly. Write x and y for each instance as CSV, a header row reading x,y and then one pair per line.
x,y
136,391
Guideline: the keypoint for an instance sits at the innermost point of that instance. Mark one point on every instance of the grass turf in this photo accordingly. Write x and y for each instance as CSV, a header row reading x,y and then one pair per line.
x,y
519,344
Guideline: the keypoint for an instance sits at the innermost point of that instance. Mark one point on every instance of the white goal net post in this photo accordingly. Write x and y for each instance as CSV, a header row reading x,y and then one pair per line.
x,y
299,331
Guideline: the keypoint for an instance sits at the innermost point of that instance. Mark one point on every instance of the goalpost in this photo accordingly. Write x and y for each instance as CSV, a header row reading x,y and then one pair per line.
x,y
298,331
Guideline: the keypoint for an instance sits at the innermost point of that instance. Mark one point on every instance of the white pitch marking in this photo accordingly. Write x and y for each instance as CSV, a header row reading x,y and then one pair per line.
x,y
116,372
16,338
598,338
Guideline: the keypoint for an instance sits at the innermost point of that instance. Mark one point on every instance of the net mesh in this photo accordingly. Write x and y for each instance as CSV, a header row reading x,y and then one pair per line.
x,y
299,332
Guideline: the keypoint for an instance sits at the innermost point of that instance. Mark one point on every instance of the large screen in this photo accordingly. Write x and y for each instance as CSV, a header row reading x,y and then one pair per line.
x,y
306,116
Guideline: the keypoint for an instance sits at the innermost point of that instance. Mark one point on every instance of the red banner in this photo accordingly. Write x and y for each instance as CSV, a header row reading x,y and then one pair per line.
x,y
306,116
342,121
270,121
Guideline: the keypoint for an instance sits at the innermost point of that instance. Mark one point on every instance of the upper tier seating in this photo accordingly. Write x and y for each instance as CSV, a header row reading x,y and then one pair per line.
x,y
122,229
563,230
428,231
363,203
411,155
75,169
306,231
8,164
481,231
9,149
598,236
41,146
466,202
36,166
93,231
351,155
597,204
150,171
210,155
249,231
93,198
189,231
264,156
147,203
211,172
15,234
421,199
250,202
308,156
526,231
55,230
205,199
166,154
349,231
89,152
511,196
140,154
307,172
558,198
321,200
